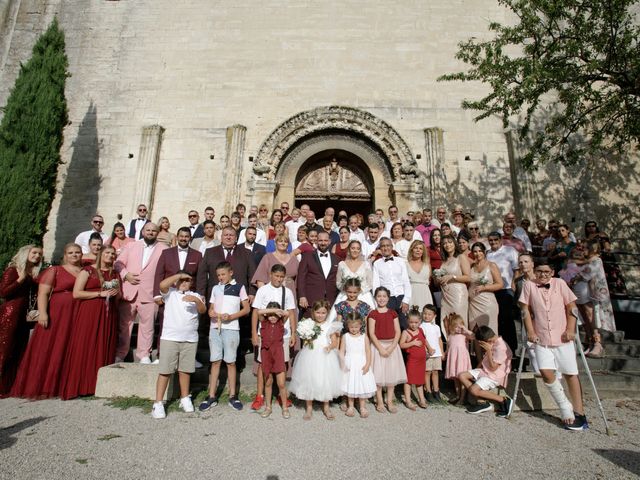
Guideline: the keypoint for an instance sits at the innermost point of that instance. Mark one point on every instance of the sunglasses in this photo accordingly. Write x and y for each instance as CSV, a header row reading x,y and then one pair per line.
x,y
193,216
474,228
284,208
100,222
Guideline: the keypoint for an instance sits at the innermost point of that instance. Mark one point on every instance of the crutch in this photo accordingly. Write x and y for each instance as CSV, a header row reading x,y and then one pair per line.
x,y
588,370
523,351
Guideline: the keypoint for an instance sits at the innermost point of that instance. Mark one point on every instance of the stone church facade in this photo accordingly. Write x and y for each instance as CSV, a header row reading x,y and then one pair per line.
x,y
185,104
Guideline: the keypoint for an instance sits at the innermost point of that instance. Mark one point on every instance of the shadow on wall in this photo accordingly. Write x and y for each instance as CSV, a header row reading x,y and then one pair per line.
x,y
79,195
486,191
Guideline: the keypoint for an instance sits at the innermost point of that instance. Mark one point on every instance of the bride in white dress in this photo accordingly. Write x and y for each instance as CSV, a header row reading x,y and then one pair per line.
x,y
354,266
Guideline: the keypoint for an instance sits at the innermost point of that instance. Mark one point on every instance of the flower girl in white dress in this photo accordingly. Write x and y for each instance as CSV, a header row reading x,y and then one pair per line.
x,y
358,380
316,371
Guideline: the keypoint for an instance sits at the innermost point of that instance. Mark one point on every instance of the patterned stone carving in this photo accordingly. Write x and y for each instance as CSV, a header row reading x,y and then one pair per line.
x,y
348,119
435,182
147,168
332,181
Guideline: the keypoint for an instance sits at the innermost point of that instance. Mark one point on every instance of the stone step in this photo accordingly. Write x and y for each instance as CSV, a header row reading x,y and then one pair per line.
x,y
612,363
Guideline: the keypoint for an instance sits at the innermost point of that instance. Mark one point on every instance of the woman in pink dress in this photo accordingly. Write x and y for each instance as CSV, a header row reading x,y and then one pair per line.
x,y
119,239
453,277
41,367
93,344
282,257
17,287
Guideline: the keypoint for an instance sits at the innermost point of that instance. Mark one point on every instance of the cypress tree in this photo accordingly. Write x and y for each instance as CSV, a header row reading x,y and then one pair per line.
x,y
30,140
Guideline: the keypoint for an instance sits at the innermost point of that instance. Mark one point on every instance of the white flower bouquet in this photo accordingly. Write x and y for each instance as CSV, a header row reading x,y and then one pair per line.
x,y
308,331
440,272
109,284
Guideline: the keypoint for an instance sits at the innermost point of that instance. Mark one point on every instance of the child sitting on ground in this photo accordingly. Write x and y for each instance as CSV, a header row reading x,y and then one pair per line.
x,y
496,364
179,338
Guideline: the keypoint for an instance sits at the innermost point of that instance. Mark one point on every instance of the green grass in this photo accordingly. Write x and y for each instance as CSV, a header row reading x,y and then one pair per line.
x,y
125,403
109,436
82,461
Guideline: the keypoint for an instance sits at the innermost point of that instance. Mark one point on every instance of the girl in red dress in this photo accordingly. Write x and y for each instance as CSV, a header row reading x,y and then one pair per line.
x,y
17,286
41,367
414,343
93,344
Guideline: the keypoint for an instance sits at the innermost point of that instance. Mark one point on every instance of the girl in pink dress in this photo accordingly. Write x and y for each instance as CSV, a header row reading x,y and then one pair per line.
x,y
457,354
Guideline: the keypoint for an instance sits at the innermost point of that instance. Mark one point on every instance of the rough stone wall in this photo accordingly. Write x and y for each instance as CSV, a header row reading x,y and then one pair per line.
x,y
197,67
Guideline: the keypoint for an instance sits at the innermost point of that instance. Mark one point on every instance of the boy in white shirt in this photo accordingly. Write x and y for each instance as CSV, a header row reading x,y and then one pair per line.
x,y
179,339
433,335
229,302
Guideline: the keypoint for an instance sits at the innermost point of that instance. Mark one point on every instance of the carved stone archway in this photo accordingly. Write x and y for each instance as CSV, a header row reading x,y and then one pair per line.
x,y
393,167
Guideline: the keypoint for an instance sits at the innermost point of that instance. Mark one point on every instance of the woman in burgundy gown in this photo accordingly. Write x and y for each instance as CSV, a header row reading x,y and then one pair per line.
x,y
40,370
16,287
93,344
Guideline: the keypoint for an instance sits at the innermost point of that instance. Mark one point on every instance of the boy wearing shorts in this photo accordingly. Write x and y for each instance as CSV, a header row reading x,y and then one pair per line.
x,y
496,364
433,335
274,291
229,302
179,339
548,311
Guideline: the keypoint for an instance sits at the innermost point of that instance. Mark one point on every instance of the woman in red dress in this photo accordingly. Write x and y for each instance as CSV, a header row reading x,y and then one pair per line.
x,y
41,366
95,245
93,344
18,284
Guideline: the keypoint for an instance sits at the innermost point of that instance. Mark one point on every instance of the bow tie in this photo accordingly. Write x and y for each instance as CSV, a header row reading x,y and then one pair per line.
x,y
141,219
324,254
545,285
183,249
388,259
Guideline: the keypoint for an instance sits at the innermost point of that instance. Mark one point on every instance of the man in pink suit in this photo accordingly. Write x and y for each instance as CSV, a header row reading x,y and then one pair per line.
x,y
137,268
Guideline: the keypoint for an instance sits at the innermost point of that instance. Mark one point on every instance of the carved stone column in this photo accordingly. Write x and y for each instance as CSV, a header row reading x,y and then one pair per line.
x,y
436,181
264,191
147,169
236,135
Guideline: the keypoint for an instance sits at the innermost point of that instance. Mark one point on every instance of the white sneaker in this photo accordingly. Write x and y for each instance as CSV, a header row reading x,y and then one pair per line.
x,y
156,361
158,410
198,364
145,361
186,404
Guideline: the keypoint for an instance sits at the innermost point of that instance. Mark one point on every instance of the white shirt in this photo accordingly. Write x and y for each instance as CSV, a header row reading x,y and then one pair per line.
x,y
357,235
292,227
261,237
193,228
147,251
402,247
393,275
325,262
83,239
182,256
140,222
204,245
268,293
368,248
180,318
506,258
433,334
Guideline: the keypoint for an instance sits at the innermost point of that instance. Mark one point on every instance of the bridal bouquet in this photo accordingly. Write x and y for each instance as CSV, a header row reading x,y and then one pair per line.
x,y
108,285
439,272
308,331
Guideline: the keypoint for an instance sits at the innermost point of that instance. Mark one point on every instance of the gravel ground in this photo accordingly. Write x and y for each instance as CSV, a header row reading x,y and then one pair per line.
x,y
88,439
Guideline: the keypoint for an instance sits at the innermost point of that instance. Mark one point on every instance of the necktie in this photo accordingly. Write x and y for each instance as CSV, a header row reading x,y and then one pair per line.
x,y
545,285
228,254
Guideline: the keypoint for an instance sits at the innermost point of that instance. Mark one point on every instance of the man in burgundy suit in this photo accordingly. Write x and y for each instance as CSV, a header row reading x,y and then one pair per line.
x,y
137,267
317,275
239,257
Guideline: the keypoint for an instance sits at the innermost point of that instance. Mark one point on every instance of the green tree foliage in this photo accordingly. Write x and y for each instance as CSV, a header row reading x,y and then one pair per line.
x,y
30,141
565,75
